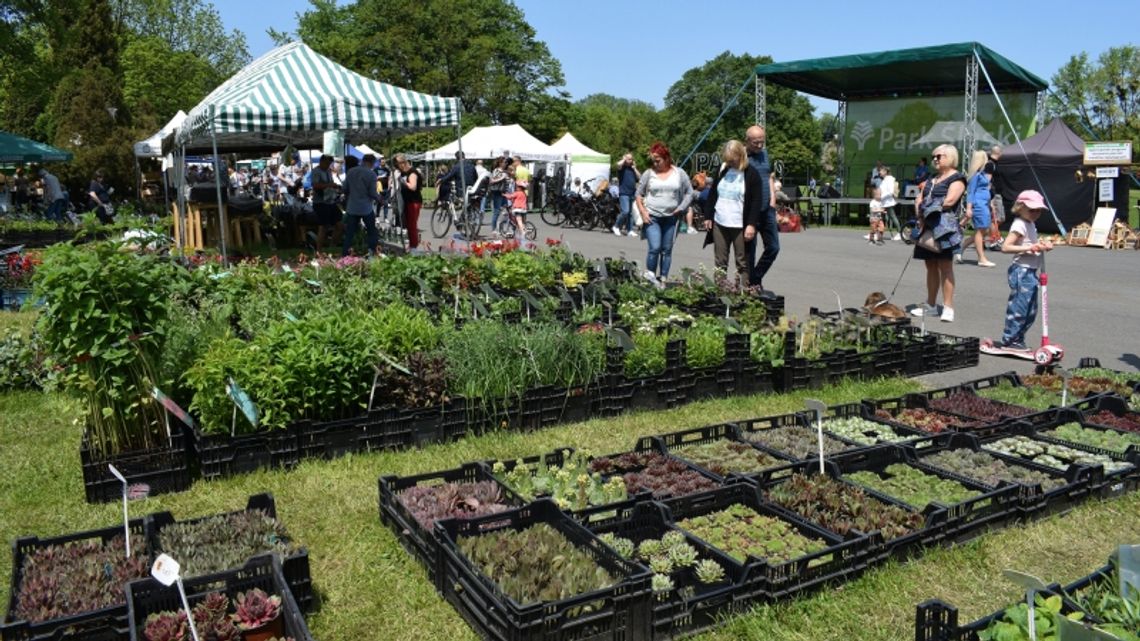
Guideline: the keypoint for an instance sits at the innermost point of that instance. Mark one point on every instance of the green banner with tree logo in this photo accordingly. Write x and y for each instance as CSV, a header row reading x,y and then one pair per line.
x,y
899,131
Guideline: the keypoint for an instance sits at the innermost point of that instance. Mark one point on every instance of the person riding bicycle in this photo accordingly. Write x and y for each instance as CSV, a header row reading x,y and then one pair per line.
x,y
463,170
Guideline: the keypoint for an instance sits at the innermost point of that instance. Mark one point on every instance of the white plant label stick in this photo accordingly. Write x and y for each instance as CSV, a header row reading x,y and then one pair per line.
x,y
1032,586
165,570
126,519
818,408
1065,376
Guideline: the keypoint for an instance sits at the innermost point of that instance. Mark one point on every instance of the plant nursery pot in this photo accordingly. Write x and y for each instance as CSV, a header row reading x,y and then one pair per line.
x,y
273,629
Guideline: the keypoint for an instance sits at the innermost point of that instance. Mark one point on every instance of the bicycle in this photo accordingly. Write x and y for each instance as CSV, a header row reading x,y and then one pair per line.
x,y
445,214
507,227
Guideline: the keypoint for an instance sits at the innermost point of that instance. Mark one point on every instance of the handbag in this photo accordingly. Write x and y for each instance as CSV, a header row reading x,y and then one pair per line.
x,y
927,242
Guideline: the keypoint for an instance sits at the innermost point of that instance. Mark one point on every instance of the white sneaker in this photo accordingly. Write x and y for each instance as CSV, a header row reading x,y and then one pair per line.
x,y
633,233
617,232
692,230
650,276
896,237
866,236
935,310
660,283
947,314
957,259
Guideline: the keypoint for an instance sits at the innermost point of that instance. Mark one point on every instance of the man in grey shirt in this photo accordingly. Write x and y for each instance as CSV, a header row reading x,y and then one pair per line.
x,y
53,196
360,190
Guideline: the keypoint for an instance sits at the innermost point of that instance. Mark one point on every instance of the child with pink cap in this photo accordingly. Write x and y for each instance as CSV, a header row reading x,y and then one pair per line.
x,y
1021,311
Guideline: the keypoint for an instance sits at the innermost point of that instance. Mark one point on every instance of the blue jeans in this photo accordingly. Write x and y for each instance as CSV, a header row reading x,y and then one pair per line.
x,y
56,208
624,220
1021,310
769,234
498,201
660,232
352,223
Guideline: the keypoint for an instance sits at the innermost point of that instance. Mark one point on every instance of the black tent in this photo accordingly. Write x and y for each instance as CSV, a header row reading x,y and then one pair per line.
x,y
1056,154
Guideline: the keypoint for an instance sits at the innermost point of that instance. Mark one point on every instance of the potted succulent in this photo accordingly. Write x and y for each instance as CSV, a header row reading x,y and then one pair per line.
x,y
258,615
167,626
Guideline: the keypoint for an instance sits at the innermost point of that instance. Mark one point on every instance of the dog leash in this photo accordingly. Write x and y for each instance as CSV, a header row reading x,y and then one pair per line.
x,y
892,294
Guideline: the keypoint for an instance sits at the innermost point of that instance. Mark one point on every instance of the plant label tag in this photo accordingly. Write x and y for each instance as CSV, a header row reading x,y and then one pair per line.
x,y
1068,630
542,290
287,269
220,275
243,402
1065,377
621,337
602,268
609,313
126,516
1128,566
165,569
819,408
488,292
394,364
170,406
1023,580
727,305
313,283
289,316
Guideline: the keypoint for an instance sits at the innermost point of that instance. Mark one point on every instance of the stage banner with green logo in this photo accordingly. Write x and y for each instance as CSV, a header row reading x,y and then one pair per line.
x,y
899,131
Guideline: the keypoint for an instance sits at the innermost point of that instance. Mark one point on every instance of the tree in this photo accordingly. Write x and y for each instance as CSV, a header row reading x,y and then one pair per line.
x,y
1103,96
693,103
481,51
615,125
158,81
188,27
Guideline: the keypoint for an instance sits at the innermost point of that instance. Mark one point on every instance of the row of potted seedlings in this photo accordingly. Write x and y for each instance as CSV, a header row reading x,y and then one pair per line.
x,y
86,586
1103,605
749,497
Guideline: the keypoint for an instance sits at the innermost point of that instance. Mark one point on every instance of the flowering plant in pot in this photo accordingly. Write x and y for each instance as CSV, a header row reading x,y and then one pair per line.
x,y
258,615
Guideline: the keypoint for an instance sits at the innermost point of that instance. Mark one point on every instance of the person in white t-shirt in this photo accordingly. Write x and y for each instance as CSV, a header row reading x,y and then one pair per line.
x,y
888,194
876,235
1021,310
736,202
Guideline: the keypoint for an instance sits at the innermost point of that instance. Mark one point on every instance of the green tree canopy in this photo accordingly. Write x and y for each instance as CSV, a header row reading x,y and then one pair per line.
x,y
1103,96
615,125
694,102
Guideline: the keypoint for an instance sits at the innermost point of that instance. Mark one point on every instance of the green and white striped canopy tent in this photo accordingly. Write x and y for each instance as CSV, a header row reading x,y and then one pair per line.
x,y
292,95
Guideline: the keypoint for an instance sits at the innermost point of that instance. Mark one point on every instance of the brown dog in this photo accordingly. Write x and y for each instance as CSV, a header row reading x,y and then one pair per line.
x,y
877,305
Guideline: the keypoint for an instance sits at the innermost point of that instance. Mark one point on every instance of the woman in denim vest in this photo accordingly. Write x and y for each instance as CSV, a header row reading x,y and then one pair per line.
x,y
938,214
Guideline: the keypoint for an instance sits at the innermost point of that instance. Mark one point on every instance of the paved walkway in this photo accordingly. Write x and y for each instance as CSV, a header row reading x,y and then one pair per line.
x,y
1094,294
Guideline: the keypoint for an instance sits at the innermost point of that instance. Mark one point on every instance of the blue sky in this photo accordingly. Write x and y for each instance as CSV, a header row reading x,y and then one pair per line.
x,y
638,48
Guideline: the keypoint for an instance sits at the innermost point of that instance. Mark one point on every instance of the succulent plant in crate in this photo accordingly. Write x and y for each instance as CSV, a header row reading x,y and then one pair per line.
x,y
535,564
1088,382
255,609
842,508
1026,396
623,546
921,419
1129,422
64,580
1103,439
212,619
1053,455
863,431
430,503
974,406
724,456
572,485
652,472
167,626
990,470
796,441
740,532
913,486
224,541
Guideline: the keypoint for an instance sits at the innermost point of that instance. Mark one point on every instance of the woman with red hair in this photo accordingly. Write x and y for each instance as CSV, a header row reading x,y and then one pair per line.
x,y
663,194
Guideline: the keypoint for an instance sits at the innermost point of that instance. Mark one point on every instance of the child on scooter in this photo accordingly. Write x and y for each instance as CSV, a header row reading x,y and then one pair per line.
x,y
1021,311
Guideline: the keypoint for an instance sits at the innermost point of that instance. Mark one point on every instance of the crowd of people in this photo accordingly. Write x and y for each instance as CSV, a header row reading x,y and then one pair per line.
x,y
37,192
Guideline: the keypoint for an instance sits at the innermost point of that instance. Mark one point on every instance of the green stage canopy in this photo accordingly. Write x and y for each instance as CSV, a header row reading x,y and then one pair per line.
x,y
15,148
292,95
906,72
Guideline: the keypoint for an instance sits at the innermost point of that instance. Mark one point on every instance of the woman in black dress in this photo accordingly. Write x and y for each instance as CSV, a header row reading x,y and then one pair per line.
x,y
938,213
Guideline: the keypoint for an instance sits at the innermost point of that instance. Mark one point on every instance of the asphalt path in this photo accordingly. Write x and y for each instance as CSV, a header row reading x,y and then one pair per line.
x,y
1094,294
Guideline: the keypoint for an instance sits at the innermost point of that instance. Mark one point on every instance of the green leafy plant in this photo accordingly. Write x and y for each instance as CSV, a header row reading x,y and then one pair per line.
x,y
704,342
571,485
535,564
22,361
647,358
740,532
1104,600
913,486
842,508
1014,626
724,456
863,431
1103,439
1037,398
521,270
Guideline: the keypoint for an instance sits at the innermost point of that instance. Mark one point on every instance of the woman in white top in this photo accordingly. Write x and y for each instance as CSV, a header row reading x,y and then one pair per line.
x,y
663,194
887,189
736,202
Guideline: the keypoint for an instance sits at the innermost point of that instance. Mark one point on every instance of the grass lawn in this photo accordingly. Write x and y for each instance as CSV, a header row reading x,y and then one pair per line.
x,y
370,588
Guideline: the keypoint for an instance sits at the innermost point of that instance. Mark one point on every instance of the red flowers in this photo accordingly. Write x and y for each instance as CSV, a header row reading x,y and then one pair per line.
x,y
20,269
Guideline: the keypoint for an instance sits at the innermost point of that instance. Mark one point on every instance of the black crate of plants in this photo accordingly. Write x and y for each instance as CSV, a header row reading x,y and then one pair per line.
x,y
779,554
1042,490
1109,411
550,405
954,352
152,471
798,373
218,542
793,436
411,505
857,423
499,572
823,498
694,586
1117,450
54,597
718,451
224,455
964,401
251,601
1130,379
956,508
913,412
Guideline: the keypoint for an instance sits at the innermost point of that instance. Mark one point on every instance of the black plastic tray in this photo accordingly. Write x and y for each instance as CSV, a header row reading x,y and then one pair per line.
x,y
163,470
295,567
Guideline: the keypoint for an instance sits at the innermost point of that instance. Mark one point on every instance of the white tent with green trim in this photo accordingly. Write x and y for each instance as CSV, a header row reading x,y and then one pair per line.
x,y
585,163
292,95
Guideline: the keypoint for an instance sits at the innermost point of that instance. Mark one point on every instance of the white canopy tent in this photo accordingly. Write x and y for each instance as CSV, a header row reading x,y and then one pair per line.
x,y
152,147
492,142
585,163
